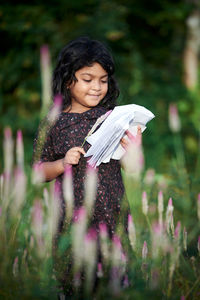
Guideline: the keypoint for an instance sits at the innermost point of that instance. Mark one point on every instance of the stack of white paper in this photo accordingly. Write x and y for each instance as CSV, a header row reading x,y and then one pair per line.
x,y
105,142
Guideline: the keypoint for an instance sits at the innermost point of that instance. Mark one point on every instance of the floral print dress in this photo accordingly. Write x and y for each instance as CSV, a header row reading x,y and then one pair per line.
x,y
70,131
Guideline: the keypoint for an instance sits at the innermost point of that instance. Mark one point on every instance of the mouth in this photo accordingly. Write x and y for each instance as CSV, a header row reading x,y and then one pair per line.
x,y
94,95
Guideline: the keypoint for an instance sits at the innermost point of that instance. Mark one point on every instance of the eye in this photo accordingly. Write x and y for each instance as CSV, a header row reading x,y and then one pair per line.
x,y
87,80
104,81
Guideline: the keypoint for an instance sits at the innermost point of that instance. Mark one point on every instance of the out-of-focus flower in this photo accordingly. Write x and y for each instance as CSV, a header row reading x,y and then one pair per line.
x,y
198,245
133,159
177,236
16,267
78,233
131,232
118,261
45,65
55,206
68,192
1,185
103,234
174,120
198,206
46,197
145,206
90,256
20,150
8,150
169,217
126,281
19,192
177,230
144,251
160,242
37,227
155,278
160,207
90,189
184,239
99,270
55,110
37,173
149,177
175,253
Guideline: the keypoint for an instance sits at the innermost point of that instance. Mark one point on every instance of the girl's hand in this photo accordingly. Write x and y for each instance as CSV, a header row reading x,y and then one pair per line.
x,y
72,156
131,138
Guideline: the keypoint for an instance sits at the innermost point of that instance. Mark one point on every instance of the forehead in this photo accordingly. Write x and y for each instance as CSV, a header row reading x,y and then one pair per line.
x,y
95,69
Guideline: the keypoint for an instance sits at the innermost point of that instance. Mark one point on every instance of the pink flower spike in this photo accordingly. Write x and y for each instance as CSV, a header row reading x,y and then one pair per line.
x,y
79,214
198,197
108,113
57,189
99,270
91,235
58,101
130,219
177,229
145,206
19,135
182,297
37,212
116,241
160,194
174,120
103,229
198,244
44,53
0,211
126,281
90,168
144,250
7,133
68,170
157,228
170,202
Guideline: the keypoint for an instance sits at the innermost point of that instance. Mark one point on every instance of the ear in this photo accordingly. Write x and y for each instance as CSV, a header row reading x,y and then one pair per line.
x,y
69,85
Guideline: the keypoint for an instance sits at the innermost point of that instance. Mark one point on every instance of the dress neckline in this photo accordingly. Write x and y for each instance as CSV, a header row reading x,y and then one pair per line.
x,y
89,111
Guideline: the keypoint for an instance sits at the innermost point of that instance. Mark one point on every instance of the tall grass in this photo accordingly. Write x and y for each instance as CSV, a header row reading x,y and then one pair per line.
x,y
157,257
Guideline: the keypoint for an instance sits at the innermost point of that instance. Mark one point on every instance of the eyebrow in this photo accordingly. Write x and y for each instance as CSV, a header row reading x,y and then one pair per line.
x,y
93,75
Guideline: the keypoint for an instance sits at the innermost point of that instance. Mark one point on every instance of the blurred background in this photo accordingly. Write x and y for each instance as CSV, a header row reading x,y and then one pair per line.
x,y
155,45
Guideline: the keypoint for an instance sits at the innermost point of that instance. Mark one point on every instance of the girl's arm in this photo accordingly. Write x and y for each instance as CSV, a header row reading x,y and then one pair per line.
x,y
53,169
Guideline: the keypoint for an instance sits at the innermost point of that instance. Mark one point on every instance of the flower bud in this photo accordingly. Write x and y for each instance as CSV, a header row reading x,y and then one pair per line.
x,y
174,120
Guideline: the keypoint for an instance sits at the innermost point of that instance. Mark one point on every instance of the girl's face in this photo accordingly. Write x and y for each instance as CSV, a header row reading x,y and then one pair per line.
x,y
89,89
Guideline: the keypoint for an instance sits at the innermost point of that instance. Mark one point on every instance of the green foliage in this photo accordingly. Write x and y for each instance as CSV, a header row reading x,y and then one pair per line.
x,y
146,39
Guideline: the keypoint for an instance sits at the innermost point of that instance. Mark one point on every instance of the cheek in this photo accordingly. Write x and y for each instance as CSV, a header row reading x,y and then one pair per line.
x,y
78,88
105,90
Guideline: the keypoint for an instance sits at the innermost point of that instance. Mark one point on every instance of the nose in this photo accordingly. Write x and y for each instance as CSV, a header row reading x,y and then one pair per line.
x,y
96,85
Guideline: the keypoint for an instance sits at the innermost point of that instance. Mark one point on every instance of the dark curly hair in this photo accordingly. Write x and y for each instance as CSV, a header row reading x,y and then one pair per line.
x,y
77,54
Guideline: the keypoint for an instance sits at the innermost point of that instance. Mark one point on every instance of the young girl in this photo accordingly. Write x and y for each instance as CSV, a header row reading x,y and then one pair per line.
x,y
84,78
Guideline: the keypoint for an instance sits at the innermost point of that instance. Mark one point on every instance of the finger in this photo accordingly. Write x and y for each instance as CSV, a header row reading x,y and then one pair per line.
x,y
124,143
139,130
80,150
130,136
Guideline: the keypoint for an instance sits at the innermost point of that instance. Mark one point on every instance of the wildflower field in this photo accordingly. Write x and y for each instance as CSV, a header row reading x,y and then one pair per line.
x,y
158,257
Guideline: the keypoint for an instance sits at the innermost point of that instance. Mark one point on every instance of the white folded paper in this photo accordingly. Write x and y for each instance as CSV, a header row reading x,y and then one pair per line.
x,y
105,142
